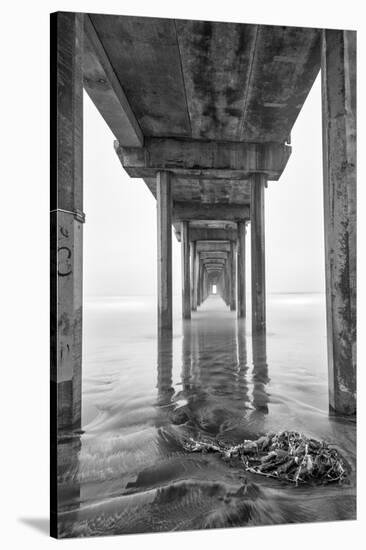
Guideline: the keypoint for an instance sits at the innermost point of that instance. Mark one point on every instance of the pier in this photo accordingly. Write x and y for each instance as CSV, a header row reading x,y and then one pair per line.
x,y
203,113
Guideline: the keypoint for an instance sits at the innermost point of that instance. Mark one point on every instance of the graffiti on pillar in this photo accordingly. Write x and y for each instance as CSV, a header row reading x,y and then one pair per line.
x,y
64,255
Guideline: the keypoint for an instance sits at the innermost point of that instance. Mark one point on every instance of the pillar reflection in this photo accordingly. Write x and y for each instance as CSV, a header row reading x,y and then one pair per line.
x,y
164,367
186,373
68,495
242,385
260,372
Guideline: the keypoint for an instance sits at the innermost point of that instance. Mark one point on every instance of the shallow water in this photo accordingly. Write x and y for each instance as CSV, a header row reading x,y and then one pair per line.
x,y
127,472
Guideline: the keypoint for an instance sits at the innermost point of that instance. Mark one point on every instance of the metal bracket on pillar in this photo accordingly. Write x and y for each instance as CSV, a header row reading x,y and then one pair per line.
x,y
78,214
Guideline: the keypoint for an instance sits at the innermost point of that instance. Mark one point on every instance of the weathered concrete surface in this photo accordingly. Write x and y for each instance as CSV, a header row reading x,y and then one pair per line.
x,y
144,53
258,182
214,229
209,234
106,92
241,270
207,191
66,218
208,80
186,276
198,211
339,162
212,245
66,238
208,159
164,234
213,254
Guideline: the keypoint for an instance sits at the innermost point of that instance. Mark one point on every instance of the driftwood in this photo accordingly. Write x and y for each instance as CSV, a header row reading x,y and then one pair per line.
x,y
289,456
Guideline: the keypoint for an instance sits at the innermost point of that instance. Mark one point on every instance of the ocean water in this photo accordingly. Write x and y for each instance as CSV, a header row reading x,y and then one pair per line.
x,y
128,473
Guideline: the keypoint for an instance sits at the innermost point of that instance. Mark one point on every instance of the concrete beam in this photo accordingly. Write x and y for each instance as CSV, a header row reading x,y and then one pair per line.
x,y
106,92
200,211
339,163
208,159
209,234
212,234
208,246
164,234
213,263
210,255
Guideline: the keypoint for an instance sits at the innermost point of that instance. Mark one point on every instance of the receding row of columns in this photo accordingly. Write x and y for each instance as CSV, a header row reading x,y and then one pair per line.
x,y
231,283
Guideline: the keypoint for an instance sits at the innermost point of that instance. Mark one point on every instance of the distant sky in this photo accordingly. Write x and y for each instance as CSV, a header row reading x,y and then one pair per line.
x,y
120,228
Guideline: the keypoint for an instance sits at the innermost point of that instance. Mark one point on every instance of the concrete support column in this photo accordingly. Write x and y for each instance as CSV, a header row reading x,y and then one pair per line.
x,y
164,233
339,169
199,275
201,283
186,275
232,276
221,284
241,269
66,222
193,274
227,281
258,183
195,280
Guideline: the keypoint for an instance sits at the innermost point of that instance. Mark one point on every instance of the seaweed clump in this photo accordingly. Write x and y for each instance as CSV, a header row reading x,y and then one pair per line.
x,y
289,456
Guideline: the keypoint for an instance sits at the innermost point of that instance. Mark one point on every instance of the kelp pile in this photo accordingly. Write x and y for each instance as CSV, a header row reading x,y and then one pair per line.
x,y
289,456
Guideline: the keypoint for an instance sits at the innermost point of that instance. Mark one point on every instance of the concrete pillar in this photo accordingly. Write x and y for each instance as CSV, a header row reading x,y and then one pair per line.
x,y
199,274
205,284
164,233
66,220
226,282
258,183
186,275
195,279
339,169
193,269
221,284
232,257
202,298
241,269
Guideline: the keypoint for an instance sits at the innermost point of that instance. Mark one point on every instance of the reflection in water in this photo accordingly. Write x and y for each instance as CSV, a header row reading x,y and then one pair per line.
x,y
68,485
164,366
260,373
186,356
242,383
127,473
